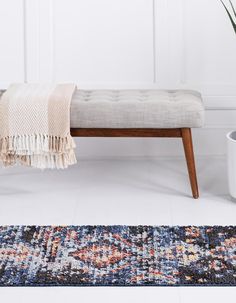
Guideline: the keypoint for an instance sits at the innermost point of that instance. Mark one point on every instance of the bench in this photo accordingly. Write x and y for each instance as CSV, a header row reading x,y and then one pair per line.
x,y
140,113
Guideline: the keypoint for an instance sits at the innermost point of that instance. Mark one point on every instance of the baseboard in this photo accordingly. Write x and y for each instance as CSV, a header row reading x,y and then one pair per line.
x,y
148,158
207,142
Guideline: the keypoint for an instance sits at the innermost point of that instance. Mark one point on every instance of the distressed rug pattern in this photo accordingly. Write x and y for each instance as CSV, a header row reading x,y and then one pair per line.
x,y
117,256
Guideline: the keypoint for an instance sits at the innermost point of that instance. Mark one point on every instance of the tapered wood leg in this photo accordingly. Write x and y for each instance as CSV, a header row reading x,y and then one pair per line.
x,y
189,155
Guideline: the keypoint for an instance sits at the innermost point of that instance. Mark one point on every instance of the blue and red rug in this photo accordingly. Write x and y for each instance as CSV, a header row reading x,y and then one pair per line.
x,y
117,256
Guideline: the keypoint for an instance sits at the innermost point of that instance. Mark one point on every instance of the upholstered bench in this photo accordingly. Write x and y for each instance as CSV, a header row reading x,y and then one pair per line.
x,y
139,113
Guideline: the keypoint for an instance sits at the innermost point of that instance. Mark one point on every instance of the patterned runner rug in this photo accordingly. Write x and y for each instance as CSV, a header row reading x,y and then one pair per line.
x,y
117,256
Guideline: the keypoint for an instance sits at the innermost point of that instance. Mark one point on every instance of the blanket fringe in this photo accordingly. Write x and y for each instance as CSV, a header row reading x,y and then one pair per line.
x,y
39,151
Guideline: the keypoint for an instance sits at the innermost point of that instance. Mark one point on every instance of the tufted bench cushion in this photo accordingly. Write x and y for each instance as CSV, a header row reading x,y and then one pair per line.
x,y
136,109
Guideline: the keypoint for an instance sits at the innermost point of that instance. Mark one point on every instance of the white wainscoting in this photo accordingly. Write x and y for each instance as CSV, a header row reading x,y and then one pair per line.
x,y
12,56
127,44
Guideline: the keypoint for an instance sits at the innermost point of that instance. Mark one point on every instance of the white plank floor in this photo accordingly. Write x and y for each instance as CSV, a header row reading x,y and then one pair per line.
x,y
121,191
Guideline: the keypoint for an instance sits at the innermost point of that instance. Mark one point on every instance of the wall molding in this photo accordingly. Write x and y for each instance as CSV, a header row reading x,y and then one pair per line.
x,y
24,39
169,49
52,42
169,56
154,43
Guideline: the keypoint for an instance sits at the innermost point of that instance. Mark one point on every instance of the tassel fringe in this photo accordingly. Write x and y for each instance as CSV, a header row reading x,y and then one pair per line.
x,y
39,151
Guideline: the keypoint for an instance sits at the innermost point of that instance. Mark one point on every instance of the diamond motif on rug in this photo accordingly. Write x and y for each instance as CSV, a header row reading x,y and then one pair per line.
x,y
117,255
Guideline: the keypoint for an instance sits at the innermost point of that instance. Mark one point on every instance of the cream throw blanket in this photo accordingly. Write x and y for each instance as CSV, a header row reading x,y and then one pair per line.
x,y
35,125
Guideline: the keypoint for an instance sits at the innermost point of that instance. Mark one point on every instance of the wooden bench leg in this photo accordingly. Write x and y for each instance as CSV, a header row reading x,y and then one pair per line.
x,y
189,155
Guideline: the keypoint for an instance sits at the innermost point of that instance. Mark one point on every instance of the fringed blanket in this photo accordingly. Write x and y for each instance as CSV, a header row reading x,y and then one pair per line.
x,y
35,126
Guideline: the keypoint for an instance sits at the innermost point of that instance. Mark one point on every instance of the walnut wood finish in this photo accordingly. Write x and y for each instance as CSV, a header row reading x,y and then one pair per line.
x,y
184,133
189,155
125,132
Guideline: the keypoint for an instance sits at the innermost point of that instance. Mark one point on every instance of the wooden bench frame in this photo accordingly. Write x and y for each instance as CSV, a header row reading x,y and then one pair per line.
x,y
184,133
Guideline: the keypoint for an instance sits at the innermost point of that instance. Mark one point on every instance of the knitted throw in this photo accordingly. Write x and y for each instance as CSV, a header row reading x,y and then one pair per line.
x,y
35,126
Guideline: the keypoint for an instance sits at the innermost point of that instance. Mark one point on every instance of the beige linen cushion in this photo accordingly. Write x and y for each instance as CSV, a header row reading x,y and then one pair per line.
x,y
136,109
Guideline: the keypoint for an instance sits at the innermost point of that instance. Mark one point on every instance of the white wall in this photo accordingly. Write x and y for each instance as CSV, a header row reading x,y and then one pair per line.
x,y
127,43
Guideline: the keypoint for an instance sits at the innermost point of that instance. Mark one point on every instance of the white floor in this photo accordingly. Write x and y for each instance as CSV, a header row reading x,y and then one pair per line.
x,y
147,191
